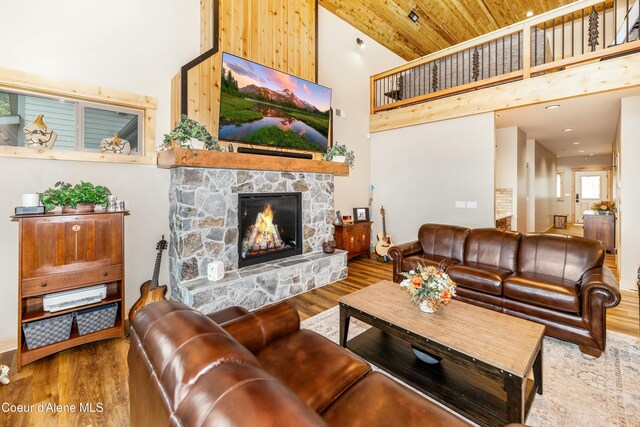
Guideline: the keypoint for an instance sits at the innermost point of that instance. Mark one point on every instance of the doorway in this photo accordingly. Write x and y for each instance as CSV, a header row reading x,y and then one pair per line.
x,y
590,187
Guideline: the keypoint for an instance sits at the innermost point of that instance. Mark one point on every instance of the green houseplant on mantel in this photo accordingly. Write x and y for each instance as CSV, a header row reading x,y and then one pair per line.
x,y
190,134
81,197
339,153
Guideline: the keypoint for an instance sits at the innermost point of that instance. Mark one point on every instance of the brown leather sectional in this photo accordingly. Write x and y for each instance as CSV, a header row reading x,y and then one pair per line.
x,y
258,369
559,281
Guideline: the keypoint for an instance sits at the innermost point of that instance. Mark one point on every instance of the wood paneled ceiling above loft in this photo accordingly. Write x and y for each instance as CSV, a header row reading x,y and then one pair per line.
x,y
441,23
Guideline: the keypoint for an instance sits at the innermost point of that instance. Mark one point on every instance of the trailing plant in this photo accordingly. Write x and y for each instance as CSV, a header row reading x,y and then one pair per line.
x,y
63,194
338,149
187,129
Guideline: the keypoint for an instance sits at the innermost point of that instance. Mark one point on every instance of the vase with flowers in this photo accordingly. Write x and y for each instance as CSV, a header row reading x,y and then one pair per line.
x,y
430,287
604,207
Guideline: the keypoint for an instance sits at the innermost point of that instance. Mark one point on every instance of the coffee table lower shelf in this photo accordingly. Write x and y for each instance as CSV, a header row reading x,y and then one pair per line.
x,y
464,391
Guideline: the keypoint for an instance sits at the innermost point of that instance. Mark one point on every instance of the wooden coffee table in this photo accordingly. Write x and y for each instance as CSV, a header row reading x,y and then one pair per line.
x,y
487,357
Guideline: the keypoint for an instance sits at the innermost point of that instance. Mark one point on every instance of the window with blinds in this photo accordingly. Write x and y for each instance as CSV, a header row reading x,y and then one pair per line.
x,y
79,126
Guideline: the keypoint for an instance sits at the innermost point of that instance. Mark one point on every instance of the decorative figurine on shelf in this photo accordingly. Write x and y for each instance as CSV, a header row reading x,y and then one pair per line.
x,y
38,136
115,145
4,375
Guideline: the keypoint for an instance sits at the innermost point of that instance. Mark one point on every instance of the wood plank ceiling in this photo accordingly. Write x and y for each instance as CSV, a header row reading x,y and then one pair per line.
x,y
441,23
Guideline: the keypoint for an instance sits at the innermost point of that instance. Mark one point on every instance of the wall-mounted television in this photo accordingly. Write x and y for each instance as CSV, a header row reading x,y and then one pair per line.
x,y
263,106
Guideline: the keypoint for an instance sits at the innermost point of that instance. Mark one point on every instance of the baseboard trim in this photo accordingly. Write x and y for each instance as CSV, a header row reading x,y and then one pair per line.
x,y
8,344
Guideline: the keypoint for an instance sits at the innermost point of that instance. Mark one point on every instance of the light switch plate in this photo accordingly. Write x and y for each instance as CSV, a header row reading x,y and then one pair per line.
x,y
472,205
460,205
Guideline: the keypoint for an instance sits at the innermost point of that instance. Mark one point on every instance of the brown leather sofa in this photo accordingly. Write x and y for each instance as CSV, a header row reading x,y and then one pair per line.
x,y
259,369
559,281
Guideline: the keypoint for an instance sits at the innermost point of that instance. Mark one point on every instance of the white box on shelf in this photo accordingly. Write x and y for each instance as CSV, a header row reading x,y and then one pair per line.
x,y
75,298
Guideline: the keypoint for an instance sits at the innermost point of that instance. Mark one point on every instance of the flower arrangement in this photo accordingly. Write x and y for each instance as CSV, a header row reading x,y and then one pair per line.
x,y
604,207
430,287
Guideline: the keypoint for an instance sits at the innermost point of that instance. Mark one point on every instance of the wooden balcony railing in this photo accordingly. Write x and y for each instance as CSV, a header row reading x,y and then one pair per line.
x,y
587,30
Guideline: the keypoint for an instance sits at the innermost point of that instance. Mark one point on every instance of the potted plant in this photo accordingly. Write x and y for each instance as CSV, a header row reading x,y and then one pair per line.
x,y
191,134
339,153
81,197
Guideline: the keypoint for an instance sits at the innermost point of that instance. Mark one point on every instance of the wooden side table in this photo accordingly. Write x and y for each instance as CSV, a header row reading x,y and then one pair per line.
x,y
354,238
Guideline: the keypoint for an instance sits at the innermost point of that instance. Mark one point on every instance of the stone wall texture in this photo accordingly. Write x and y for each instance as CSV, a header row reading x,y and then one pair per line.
x,y
204,218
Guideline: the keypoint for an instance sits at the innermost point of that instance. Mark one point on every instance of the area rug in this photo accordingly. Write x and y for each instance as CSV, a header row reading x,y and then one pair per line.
x,y
579,390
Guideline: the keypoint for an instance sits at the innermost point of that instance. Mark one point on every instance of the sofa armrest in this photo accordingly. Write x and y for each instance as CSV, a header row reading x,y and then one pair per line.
x,y
598,291
398,252
600,283
259,328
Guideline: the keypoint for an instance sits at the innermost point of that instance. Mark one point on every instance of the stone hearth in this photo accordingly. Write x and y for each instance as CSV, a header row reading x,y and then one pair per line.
x,y
204,228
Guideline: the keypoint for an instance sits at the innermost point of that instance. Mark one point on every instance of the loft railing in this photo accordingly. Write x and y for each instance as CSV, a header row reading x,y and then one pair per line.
x,y
580,32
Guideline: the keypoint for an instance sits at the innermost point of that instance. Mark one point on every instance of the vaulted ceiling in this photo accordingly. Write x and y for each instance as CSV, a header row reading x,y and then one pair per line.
x,y
441,23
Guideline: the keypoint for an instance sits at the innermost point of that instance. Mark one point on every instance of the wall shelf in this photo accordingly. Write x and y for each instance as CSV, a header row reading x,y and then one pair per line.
x,y
184,157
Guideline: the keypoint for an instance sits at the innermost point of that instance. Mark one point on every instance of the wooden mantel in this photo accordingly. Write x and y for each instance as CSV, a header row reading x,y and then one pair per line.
x,y
184,157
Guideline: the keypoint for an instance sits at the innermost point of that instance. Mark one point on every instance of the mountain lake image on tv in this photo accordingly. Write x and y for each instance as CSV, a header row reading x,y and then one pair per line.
x,y
259,105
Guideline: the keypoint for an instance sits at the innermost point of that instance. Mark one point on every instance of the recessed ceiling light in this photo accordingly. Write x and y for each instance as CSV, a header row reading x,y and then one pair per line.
x,y
567,130
413,16
360,43
497,115
552,107
529,13
581,151
576,143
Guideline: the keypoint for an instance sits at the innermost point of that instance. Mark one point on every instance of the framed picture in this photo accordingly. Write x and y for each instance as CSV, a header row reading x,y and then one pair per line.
x,y
339,218
361,214
347,219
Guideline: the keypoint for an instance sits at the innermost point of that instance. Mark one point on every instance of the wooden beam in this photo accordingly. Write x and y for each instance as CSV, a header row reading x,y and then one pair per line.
x,y
618,73
184,157
81,156
22,81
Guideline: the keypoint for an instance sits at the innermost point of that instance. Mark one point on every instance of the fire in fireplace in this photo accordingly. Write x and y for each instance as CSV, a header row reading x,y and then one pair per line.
x,y
270,226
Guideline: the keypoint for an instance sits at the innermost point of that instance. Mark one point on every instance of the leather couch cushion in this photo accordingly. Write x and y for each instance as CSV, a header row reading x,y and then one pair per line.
x,y
544,291
565,257
242,395
316,369
482,299
379,401
443,240
227,314
409,263
493,247
479,277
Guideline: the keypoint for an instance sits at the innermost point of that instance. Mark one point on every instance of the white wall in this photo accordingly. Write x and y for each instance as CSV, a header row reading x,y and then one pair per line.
x,y
565,164
131,46
521,220
629,194
419,172
346,68
510,171
545,187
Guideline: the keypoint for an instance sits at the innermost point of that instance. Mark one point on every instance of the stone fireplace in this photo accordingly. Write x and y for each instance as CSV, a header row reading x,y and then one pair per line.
x,y
207,209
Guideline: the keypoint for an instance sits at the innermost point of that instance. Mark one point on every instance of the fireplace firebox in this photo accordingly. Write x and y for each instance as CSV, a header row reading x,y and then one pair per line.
x,y
270,227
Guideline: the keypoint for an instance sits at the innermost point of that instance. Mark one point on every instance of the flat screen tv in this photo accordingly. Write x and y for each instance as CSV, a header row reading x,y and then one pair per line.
x,y
263,106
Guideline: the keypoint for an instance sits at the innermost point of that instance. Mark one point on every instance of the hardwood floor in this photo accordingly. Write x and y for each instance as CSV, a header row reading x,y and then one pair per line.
x,y
97,373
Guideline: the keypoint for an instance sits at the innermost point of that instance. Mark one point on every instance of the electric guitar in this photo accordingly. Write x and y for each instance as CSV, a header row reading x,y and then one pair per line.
x,y
150,291
384,239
